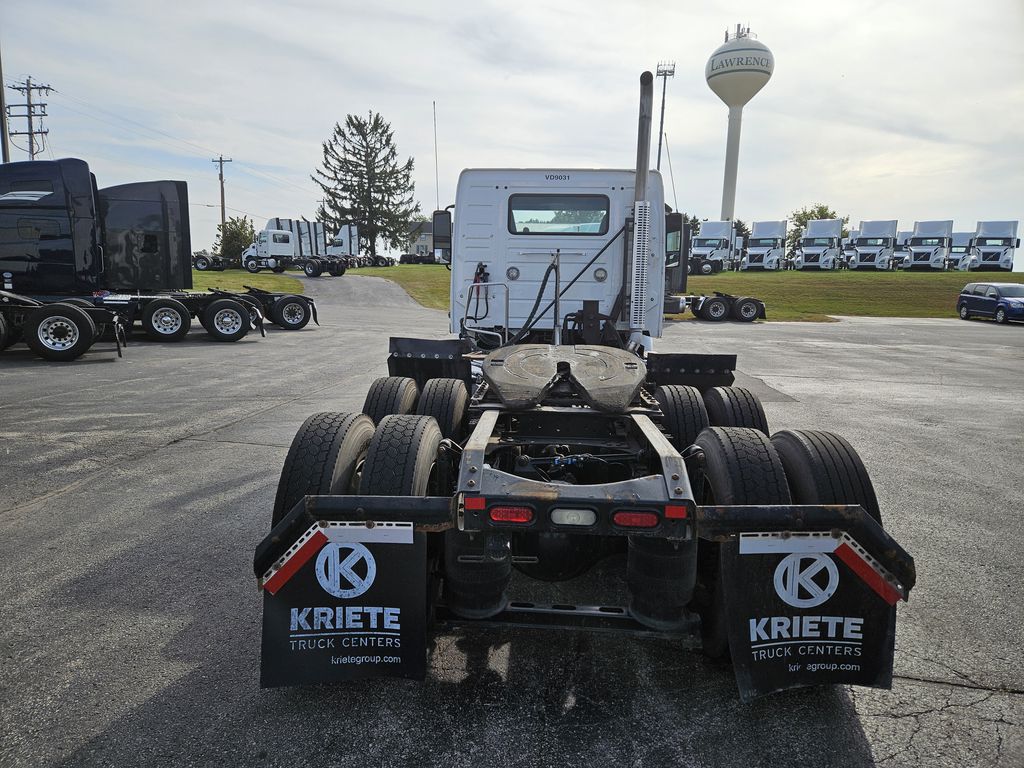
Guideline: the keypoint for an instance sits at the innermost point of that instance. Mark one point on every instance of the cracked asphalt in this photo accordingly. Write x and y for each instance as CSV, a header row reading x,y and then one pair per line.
x,y
133,492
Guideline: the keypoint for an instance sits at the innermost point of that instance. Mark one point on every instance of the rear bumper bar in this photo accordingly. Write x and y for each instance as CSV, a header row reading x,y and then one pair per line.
x,y
433,514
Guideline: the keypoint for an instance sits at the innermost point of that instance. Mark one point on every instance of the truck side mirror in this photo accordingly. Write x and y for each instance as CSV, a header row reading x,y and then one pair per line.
x,y
1017,245
442,235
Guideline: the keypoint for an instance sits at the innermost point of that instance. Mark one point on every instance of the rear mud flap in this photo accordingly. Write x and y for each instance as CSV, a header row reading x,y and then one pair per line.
x,y
806,609
346,602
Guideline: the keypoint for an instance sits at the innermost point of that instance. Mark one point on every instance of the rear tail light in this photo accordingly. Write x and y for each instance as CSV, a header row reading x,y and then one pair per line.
x,y
635,519
511,514
582,517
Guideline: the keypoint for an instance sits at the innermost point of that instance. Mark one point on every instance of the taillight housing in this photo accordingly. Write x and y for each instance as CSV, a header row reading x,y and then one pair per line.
x,y
628,518
517,515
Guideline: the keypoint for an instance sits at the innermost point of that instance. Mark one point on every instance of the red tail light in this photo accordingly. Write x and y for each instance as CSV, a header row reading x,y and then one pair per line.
x,y
675,512
474,502
635,519
511,514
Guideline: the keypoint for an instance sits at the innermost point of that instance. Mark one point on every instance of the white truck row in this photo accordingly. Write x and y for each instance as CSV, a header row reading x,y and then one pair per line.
x,y
874,245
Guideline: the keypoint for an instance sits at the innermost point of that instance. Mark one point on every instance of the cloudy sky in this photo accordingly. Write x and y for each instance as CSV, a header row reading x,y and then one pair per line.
x,y
910,110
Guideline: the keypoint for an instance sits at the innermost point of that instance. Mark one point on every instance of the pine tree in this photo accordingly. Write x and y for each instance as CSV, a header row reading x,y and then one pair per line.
x,y
364,184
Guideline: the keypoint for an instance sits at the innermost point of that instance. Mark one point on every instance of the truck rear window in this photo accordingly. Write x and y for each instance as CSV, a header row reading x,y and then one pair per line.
x,y
558,214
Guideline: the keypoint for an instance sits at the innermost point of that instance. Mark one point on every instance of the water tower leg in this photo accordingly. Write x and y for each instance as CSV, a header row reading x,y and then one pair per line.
x,y
732,158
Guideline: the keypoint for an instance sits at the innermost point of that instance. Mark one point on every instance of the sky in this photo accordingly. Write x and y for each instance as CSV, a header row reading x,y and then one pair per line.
x,y
909,110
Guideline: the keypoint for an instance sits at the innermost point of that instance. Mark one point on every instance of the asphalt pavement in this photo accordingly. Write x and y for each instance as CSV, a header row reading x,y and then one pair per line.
x,y
133,493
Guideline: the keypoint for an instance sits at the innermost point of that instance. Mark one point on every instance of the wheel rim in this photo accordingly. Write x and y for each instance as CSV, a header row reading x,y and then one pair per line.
x,y
251,265
706,269
58,333
202,264
293,313
748,311
1000,316
166,321
963,312
309,269
716,310
228,321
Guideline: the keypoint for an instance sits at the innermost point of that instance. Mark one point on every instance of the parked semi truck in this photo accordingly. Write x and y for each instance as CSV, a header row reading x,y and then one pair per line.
x,y
293,243
820,246
992,247
550,435
874,245
960,251
929,244
766,246
713,246
125,249
901,251
848,250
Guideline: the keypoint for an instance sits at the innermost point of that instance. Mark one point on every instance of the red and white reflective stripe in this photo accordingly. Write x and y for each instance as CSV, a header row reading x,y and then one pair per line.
x,y
867,568
297,556
313,540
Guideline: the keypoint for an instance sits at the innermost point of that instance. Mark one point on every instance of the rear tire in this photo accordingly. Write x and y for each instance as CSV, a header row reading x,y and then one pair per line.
x,y
390,395
291,313
446,401
313,268
226,320
59,332
714,309
337,269
325,457
740,467
202,263
166,320
735,407
746,309
822,468
685,416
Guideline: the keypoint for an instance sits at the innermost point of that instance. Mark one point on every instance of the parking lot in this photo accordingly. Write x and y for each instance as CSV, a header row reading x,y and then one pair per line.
x,y
134,492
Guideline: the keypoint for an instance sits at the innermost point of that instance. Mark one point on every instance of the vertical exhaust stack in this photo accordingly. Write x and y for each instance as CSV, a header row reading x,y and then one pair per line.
x,y
643,139
641,245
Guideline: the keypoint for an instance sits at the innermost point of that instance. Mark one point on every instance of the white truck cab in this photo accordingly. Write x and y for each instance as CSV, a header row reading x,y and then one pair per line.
x,y
849,252
345,242
929,244
960,250
820,246
273,247
992,247
874,245
901,251
713,246
766,245
510,226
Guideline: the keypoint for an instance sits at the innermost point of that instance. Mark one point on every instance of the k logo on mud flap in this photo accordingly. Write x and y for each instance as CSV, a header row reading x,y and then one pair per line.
x,y
345,570
799,580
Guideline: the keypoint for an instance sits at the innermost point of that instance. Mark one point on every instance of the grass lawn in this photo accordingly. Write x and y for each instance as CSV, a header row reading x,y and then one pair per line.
x,y
235,279
815,296
810,296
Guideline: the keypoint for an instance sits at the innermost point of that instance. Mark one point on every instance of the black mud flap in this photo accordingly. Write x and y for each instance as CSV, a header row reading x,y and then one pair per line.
x,y
346,602
806,609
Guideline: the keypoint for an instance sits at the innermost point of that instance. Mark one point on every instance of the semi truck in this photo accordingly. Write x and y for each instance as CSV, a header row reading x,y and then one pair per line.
x,y
766,246
992,247
901,251
293,243
960,251
713,246
548,435
929,245
820,246
849,252
125,249
874,245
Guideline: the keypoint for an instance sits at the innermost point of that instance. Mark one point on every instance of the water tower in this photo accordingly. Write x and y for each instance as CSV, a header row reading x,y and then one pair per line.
x,y
737,70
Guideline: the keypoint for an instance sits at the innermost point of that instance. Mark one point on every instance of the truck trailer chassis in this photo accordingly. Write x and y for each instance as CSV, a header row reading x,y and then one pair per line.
x,y
57,331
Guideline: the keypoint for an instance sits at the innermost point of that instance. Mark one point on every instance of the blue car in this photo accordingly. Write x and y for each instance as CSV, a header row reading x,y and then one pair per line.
x,y
1001,301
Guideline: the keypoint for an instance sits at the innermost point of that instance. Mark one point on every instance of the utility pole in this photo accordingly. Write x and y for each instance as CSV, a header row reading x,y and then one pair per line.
x,y
666,69
223,217
32,111
5,151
